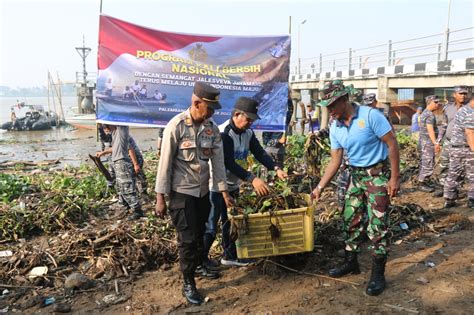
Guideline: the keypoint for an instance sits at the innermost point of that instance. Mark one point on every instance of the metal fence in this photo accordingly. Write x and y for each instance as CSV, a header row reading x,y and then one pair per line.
x,y
436,47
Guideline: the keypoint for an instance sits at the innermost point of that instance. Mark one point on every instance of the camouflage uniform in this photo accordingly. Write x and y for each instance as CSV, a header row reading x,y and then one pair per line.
x,y
141,181
460,156
427,157
446,132
367,188
125,181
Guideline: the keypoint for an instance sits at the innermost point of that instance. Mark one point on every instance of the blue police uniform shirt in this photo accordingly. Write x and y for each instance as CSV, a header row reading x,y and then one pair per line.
x,y
361,140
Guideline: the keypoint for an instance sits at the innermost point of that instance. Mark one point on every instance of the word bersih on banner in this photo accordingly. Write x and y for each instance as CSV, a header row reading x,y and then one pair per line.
x,y
146,76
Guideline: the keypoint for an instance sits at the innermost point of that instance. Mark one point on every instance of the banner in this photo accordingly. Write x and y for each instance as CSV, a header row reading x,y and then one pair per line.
x,y
147,76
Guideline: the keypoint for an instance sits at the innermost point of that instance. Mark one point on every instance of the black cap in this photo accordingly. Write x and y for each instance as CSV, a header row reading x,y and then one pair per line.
x,y
248,106
207,93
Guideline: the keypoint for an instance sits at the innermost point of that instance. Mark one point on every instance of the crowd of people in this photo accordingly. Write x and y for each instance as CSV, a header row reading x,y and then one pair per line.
x,y
201,168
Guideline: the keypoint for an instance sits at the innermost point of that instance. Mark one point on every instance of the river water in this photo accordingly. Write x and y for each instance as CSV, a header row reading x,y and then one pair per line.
x,y
70,146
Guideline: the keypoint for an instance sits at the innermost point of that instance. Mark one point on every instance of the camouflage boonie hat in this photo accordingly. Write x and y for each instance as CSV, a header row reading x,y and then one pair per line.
x,y
431,98
334,90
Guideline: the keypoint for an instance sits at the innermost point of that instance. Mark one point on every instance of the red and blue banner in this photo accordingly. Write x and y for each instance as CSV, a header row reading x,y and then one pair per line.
x,y
147,76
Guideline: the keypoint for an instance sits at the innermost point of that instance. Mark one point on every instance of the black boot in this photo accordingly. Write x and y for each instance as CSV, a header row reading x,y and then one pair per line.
x,y
470,203
190,292
350,265
377,278
438,193
424,186
449,203
137,214
204,272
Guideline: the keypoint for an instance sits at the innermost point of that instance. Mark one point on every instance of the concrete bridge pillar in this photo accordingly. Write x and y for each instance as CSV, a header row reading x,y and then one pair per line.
x,y
420,94
315,100
384,93
324,111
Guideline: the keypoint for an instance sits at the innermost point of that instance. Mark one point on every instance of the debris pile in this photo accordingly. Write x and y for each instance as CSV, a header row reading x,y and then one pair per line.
x,y
116,250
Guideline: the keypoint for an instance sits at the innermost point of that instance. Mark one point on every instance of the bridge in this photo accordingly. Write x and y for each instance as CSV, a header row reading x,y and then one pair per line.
x,y
398,72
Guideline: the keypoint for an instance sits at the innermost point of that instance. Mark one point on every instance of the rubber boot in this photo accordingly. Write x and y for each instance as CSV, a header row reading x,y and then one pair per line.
x,y
350,265
190,292
377,278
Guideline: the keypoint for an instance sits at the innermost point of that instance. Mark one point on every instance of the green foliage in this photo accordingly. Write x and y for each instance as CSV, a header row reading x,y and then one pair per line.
x,y
61,199
405,140
12,187
295,146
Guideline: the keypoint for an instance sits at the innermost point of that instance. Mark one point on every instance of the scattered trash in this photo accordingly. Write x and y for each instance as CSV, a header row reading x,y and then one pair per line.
x,y
430,264
6,253
5,292
404,226
109,299
37,272
4,310
423,280
112,299
78,281
62,308
48,301
398,242
207,299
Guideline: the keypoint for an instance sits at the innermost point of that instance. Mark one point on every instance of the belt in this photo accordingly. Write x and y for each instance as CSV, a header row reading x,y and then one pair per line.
x,y
378,164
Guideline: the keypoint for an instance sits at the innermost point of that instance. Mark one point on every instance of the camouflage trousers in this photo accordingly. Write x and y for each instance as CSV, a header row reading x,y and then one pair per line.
x,y
343,180
443,163
460,159
125,184
367,194
141,182
427,159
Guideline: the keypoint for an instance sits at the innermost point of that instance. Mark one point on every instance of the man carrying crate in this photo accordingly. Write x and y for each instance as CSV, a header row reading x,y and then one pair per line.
x,y
367,138
238,140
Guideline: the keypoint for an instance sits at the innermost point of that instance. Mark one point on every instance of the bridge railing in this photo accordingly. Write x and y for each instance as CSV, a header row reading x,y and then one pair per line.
x,y
436,47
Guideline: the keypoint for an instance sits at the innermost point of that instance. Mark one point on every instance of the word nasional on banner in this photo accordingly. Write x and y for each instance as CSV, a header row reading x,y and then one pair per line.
x,y
147,76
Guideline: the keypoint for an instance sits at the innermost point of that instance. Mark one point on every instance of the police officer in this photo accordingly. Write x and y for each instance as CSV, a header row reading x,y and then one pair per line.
x,y
446,130
367,138
461,156
190,140
429,144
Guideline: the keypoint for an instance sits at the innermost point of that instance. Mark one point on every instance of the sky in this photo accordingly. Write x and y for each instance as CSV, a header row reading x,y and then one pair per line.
x,y
37,36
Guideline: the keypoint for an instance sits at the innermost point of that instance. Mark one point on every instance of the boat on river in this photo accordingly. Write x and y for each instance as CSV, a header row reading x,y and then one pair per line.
x,y
25,117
